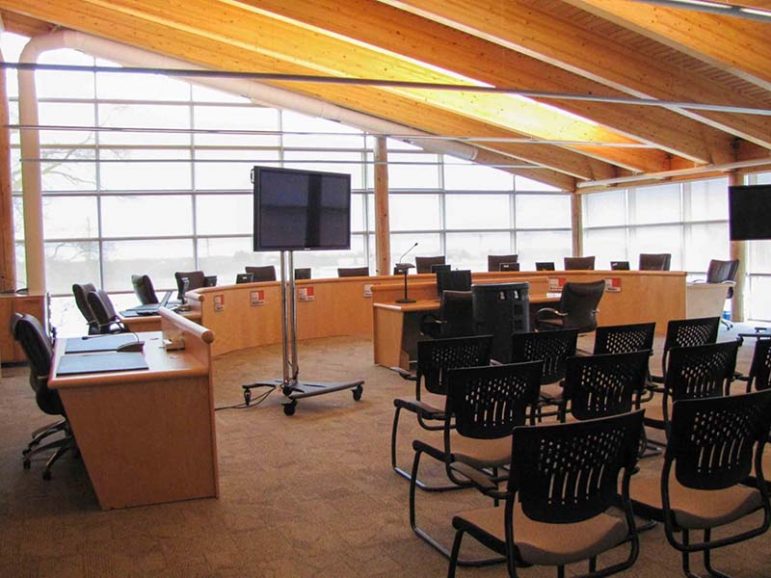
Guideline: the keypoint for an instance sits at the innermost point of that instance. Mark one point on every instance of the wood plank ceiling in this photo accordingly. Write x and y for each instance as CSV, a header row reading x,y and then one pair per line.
x,y
625,54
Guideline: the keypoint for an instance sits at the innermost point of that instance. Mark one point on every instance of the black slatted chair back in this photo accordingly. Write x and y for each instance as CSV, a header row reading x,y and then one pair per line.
x,y
551,347
262,273
624,338
602,385
700,371
760,370
565,473
80,291
489,402
437,356
712,440
688,333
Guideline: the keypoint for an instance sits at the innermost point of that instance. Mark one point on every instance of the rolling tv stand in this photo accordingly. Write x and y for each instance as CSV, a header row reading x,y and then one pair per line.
x,y
292,388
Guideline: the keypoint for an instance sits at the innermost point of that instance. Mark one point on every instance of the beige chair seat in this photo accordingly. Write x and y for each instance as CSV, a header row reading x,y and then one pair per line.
x,y
553,544
698,509
481,453
551,392
654,409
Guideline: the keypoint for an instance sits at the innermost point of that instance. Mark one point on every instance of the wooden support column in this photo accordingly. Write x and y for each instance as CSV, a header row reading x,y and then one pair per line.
x,y
738,250
576,225
7,253
382,225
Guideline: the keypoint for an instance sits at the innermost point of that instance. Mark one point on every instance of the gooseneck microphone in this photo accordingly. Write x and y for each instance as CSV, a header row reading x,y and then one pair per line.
x,y
401,259
402,267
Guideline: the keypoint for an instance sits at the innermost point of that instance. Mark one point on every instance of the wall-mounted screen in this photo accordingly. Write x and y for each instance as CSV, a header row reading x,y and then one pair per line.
x,y
301,210
749,212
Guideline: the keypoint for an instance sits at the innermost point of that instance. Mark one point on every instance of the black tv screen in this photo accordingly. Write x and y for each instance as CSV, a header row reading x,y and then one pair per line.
x,y
749,212
301,210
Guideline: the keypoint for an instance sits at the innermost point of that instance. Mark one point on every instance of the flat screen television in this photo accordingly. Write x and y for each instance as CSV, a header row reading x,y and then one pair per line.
x,y
749,212
301,210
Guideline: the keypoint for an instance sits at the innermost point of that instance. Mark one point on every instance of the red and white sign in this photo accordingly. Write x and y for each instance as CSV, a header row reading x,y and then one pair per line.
x,y
613,285
557,283
306,293
257,297
219,302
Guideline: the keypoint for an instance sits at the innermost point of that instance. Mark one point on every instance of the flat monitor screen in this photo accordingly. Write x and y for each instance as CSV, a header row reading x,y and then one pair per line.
x,y
301,210
749,212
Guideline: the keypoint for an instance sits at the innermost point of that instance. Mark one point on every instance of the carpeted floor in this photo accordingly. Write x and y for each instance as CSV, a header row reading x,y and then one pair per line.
x,y
310,495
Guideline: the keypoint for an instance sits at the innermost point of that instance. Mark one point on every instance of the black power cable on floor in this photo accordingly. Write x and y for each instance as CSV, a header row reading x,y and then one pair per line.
x,y
252,403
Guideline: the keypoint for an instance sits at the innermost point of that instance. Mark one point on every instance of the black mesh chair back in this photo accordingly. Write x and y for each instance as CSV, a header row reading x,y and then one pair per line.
x,y
624,338
32,338
105,313
719,271
489,402
264,273
144,290
80,291
760,370
688,333
579,263
302,273
700,371
353,271
566,473
195,280
494,261
437,356
423,264
602,385
551,347
544,266
654,261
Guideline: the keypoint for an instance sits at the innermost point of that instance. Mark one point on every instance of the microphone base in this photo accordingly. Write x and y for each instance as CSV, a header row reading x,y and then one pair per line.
x,y
405,301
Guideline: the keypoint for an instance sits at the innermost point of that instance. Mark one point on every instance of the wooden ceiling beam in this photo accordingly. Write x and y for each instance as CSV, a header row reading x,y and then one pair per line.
x,y
527,27
24,25
726,42
323,54
195,49
391,29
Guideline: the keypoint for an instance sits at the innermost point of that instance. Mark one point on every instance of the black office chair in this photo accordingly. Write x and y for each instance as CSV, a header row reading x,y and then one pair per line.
x,y
566,499
195,280
38,349
686,333
760,369
654,261
423,264
544,265
579,263
577,308
494,261
714,445
304,273
265,273
721,271
353,271
144,290
80,291
104,311
456,317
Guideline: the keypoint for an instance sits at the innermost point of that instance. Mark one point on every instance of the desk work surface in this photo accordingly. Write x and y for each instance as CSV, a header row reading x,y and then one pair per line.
x,y
146,437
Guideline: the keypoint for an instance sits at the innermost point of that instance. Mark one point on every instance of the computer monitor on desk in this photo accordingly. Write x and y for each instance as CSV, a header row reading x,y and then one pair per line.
x,y
453,281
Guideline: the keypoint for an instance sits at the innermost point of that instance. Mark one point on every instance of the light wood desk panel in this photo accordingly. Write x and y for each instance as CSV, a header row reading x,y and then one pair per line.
x,y
10,303
147,437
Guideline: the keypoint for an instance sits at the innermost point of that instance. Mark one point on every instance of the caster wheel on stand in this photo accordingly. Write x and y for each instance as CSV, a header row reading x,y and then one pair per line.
x,y
357,392
289,408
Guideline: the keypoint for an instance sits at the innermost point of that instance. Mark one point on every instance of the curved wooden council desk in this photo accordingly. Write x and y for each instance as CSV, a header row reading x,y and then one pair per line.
x,y
147,436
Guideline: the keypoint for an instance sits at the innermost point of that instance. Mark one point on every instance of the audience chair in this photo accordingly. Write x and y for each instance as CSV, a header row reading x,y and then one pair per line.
x,y
265,273
579,263
577,308
80,291
654,261
552,348
566,499
760,369
144,290
304,273
435,358
544,266
195,280
487,403
619,265
693,373
106,317
423,264
714,445
456,317
38,349
353,272
624,338
602,385
494,261
686,333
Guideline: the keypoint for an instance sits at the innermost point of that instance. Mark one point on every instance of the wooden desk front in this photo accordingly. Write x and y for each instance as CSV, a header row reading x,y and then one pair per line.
x,y
147,437
10,303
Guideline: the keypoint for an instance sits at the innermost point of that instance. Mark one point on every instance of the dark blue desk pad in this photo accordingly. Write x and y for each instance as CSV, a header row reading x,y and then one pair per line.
x,y
93,343
79,363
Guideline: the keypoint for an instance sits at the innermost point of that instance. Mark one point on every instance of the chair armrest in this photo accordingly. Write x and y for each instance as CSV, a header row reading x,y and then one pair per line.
x,y
549,312
421,408
486,484
404,374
